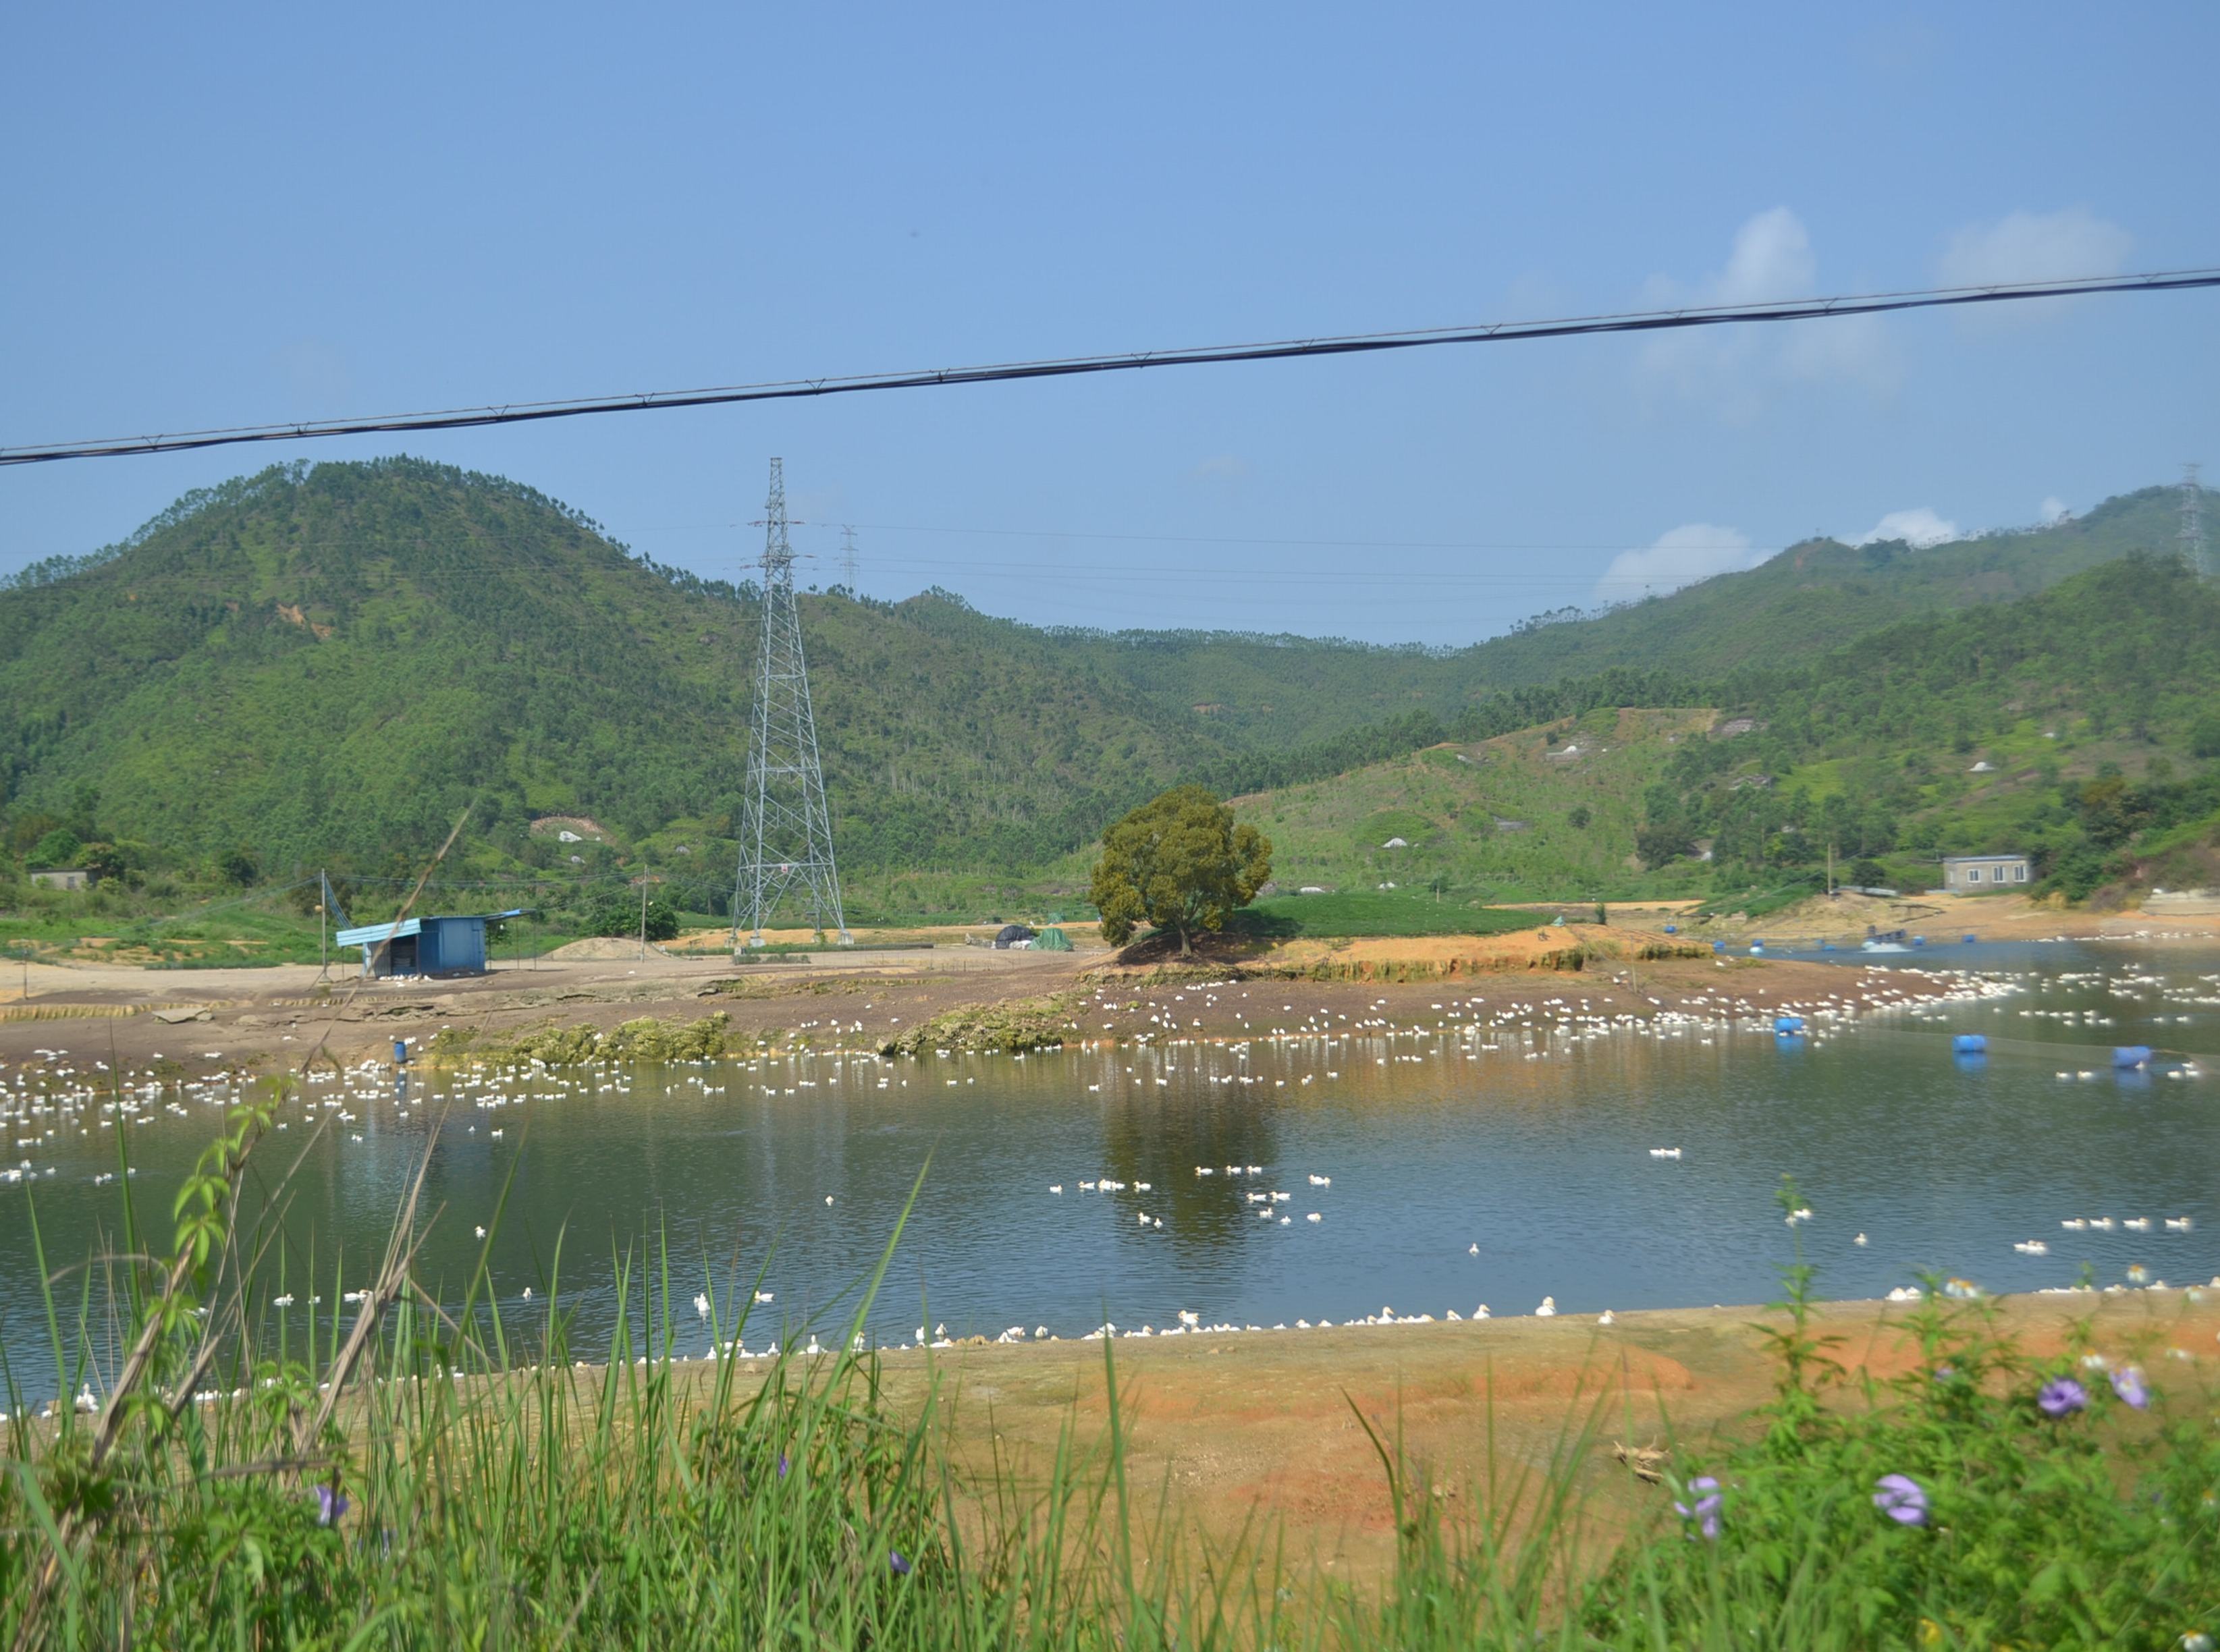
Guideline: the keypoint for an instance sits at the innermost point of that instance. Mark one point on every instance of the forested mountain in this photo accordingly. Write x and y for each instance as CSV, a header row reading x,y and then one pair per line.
x,y
1816,596
2062,724
327,663
1810,598
2078,725
330,662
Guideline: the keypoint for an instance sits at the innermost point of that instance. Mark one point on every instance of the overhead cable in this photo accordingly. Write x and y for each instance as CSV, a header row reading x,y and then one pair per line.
x,y
1128,361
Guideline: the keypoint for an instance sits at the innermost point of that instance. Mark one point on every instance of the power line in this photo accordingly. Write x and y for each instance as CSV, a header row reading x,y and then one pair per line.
x,y
1128,361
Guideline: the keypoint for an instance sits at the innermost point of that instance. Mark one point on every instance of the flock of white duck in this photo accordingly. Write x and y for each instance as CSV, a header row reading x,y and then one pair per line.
x,y
44,1102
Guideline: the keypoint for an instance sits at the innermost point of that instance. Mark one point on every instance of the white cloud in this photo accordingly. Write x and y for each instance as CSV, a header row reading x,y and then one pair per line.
x,y
1772,259
1921,529
1680,557
1222,467
2032,246
2035,246
2055,511
1734,370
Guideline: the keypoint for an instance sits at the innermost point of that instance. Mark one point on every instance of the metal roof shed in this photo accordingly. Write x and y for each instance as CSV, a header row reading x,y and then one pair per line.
x,y
425,946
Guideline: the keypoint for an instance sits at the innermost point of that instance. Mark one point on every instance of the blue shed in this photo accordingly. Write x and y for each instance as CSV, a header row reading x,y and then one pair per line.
x,y
425,946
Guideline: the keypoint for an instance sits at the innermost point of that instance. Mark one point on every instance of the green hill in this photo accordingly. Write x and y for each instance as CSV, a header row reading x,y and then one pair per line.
x,y
321,665
2071,725
329,662
1816,596
1545,812
2076,725
1809,599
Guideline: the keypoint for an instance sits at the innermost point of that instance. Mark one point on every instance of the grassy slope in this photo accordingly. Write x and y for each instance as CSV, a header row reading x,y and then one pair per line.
x,y
1446,802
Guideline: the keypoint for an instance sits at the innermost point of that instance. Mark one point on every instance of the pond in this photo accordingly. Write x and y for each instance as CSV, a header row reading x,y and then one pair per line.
x,y
1492,1154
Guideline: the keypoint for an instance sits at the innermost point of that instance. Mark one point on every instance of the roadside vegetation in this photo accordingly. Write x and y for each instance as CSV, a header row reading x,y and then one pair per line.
x,y
419,1470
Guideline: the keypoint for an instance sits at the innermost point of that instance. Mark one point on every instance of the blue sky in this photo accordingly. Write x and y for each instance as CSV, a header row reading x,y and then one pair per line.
x,y
302,211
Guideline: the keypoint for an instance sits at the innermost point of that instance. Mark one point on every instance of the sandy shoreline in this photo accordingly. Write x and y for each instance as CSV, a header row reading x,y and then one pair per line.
x,y
1264,1422
269,1019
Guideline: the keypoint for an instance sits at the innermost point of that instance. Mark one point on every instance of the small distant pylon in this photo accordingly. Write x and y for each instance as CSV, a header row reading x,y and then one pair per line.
x,y
848,559
786,831
2192,523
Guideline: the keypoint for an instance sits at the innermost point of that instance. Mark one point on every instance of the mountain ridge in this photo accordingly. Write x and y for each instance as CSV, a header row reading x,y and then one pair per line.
x,y
329,661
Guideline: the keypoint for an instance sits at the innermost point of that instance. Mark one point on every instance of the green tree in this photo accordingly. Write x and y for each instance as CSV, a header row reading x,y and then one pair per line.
x,y
1659,843
57,848
616,912
1179,864
103,860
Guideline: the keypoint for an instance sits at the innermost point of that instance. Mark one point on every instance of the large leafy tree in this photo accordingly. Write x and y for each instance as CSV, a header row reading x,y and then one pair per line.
x,y
1179,864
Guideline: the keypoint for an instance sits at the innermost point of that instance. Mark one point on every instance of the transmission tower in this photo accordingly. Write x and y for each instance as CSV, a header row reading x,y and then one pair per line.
x,y
848,559
786,834
2192,522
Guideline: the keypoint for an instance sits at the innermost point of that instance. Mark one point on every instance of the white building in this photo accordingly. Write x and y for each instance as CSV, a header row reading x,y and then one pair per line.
x,y
1981,874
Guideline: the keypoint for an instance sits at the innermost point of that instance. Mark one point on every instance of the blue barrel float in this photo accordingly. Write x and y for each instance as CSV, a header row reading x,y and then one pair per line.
x,y
1718,946
1969,1044
400,1052
2129,1056
1970,939
1919,940
1788,1027
1672,929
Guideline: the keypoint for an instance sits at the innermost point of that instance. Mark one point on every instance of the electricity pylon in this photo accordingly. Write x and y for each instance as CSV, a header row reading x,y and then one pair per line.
x,y
2191,532
786,833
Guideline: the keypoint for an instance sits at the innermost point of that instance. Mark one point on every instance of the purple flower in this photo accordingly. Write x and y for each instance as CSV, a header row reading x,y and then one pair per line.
x,y
1945,1374
1706,1509
1901,1498
2060,1396
782,1465
329,1506
2127,1383
896,1563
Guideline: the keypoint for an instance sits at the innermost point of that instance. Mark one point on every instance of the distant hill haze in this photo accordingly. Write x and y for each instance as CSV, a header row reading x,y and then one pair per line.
x,y
329,662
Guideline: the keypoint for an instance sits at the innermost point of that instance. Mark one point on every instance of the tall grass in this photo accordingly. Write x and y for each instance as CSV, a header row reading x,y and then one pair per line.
x,y
414,1477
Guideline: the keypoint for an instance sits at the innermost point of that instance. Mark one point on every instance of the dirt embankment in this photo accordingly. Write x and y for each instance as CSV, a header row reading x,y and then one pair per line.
x,y
1266,1424
272,1019
1846,918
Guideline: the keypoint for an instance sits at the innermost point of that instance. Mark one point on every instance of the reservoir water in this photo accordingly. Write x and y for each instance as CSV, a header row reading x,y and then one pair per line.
x,y
1483,1158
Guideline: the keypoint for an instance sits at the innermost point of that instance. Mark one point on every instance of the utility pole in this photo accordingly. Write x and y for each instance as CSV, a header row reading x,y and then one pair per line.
x,y
1831,869
786,830
323,924
643,918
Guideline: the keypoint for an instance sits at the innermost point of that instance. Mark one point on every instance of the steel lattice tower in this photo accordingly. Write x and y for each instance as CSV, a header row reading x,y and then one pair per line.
x,y
786,833
2192,522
